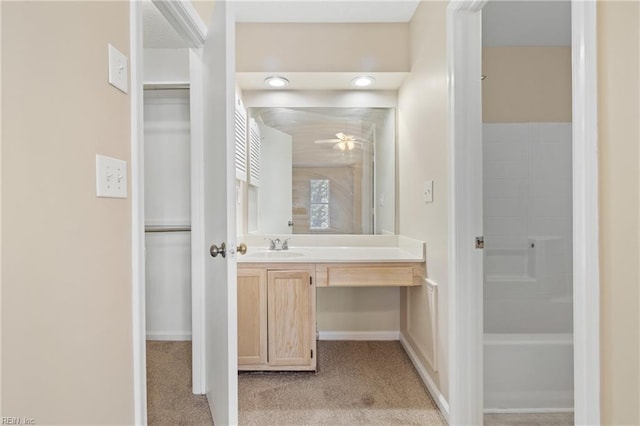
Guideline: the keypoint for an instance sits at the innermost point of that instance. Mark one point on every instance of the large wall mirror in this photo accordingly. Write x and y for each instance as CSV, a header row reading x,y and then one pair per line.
x,y
324,171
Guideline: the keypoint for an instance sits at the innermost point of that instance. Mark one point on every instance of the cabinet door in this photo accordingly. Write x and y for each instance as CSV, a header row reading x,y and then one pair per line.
x,y
252,316
290,318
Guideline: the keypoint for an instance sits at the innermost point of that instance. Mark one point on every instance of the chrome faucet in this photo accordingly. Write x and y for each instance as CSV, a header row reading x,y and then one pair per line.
x,y
277,244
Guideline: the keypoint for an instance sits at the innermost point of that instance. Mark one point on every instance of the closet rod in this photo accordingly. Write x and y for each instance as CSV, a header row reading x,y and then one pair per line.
x,y
167,228
161,85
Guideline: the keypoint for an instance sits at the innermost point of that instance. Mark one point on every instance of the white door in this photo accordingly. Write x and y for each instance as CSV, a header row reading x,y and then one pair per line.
x,y
216,80
276,194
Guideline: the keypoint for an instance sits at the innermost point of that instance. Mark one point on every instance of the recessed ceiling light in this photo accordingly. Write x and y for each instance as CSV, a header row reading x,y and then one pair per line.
x,y
276,81
363,81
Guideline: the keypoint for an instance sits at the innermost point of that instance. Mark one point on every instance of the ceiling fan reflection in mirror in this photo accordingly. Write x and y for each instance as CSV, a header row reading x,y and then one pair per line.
x,y
344,142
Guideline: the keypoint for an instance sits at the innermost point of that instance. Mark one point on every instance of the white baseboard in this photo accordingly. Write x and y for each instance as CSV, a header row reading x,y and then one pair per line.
x,y
178,336
359,335
442,403
527,410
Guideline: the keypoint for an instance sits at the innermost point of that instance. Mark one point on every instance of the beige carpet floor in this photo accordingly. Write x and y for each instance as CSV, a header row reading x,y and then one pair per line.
x,y
170,401
358,383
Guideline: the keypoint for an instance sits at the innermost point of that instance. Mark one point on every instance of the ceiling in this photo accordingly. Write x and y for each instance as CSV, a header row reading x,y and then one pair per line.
x,y
334,11
526,23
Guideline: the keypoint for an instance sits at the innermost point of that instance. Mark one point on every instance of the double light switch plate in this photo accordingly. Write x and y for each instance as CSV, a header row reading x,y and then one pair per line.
x,y
111,177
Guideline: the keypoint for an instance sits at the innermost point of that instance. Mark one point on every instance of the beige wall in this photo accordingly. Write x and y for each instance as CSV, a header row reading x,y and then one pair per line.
x,y
350,309
526,84
619,136
422,136
322,47
66,276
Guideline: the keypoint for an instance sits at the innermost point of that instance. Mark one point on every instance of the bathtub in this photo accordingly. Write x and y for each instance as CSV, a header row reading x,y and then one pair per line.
x,y
528,373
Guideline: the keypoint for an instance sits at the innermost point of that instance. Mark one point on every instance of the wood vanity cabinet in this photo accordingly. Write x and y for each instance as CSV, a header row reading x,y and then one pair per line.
x,y
276,317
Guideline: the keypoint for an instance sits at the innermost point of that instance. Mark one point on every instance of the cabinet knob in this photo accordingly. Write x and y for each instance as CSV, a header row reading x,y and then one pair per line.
x,y
242,248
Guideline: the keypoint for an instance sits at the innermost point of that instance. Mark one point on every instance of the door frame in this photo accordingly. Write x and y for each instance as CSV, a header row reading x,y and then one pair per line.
x,y
137,216
184,18
464,27
464,56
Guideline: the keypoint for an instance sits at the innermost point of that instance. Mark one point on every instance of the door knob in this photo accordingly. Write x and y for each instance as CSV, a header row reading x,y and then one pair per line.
x,y
242,248
215,250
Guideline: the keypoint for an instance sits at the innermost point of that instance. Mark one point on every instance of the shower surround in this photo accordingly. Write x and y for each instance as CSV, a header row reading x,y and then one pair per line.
x,y
528,267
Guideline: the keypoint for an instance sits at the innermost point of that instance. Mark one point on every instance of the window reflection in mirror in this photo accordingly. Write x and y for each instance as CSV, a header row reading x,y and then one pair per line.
x,y
322,171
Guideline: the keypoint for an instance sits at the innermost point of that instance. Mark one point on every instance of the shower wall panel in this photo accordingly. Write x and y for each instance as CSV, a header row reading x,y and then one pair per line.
x,y
528,227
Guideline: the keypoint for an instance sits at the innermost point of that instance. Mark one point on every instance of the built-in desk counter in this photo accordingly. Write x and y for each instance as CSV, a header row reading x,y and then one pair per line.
x,y
372,261
277,297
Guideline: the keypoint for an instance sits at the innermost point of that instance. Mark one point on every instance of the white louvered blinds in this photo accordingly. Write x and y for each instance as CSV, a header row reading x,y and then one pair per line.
x,y
241,141
254,153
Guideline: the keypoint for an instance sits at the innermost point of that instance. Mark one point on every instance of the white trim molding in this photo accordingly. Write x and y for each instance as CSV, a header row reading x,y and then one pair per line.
x,y
172,336
137,216
198,361
528,411
440,400
464,55
184,18
586,274
359,335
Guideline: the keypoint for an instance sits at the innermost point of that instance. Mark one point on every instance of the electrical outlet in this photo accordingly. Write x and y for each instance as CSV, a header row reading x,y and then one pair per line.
x,y
111,177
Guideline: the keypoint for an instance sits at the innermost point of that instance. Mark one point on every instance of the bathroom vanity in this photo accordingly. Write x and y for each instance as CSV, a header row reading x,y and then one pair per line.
x,y
277,291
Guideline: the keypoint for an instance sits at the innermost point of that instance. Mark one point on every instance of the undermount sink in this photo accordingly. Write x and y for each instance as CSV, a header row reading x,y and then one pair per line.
x,y
274,254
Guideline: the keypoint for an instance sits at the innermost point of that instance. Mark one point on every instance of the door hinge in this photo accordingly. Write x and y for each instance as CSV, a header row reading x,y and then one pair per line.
x,y
311,353
479,242
310,280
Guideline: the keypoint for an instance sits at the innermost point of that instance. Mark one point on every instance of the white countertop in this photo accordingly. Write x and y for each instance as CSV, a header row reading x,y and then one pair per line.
x,y
334,249
329,255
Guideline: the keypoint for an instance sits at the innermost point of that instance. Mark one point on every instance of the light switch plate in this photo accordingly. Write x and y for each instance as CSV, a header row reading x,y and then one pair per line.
x,y
428,191
118,70
111,177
